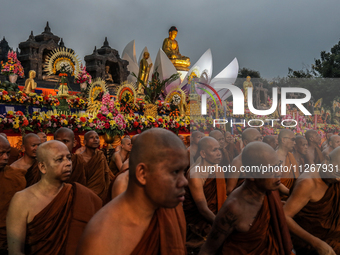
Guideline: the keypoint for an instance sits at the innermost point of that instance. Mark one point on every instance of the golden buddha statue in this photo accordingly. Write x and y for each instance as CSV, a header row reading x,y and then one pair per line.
x,y
247,84
30,84
108,77
143,74
171,49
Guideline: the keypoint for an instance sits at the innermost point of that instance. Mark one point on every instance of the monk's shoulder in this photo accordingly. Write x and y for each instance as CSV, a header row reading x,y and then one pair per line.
x,y
19,164
232,204
237,161
305,184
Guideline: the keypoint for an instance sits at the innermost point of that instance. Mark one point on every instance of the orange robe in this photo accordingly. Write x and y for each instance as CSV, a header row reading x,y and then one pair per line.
x,y
269,234
33,174
288,179
165,234
198,227
12,180
57,228
78,170
320,219
98,174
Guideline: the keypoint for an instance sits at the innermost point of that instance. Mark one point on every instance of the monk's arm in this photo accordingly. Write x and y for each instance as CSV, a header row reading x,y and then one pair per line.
x,y
223,226
233,176
16,225
298,199
197,192
283,190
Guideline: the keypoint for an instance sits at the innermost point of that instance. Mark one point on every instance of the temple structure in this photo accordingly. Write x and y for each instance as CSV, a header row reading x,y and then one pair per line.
x,y
106,63
35,50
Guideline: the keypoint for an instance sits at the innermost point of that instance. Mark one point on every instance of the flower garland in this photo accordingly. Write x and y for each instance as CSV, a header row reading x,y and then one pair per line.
x,y
12,66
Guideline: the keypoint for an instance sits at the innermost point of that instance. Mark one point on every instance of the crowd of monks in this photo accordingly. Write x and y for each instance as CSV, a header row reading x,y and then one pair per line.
x,y
149,198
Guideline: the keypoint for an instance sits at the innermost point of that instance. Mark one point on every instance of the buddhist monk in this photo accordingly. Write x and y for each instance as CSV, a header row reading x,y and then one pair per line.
x,y
66,136
251,221
119,157
221,140
314,154
326,142
97,171
14,154
195,137
50,216
28,162
234,178
205,194
312,210
284,153
230,146
334,142
120,182
269,139
147,218
11,181
42,136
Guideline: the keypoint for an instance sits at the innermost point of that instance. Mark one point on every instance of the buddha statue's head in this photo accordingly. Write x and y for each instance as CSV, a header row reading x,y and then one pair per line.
x,y
146,55
248,78
32,74
173,32
107,69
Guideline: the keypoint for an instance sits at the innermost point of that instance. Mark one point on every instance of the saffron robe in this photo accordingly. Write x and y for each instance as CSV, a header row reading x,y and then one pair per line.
x,y
165,234
232,151
321,219
268,234
288,179
57,228
98,174
12,180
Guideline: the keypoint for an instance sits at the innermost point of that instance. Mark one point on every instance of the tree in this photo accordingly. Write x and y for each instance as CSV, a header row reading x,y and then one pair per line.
x,y
329,64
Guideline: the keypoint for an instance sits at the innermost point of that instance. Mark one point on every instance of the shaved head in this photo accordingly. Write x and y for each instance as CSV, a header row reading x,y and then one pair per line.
x,y
152,147
42,136
4,135
64,131
269,139
133,139
334,141
5,149
299,139
218,136
88,134
310,133
256,153
44,150
196,136
251,135
284,133
126,140
29,137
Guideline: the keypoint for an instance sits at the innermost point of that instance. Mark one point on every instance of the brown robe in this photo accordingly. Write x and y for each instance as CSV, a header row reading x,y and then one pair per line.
x,y
78,170
12,180
14,155
269,233
318,157
288,179
165,234
98,174
232,151
321,219
33,174
198,227
57,228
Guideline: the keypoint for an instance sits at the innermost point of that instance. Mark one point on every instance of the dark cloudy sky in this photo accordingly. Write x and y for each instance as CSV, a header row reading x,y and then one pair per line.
x,y
264,35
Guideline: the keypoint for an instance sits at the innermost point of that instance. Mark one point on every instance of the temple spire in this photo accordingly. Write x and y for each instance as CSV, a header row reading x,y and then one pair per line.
x,y
106,43
47,29
61,44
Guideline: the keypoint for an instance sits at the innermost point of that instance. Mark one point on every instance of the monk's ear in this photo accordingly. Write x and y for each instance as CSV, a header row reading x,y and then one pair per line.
x,y
141,171
202,153
42,167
